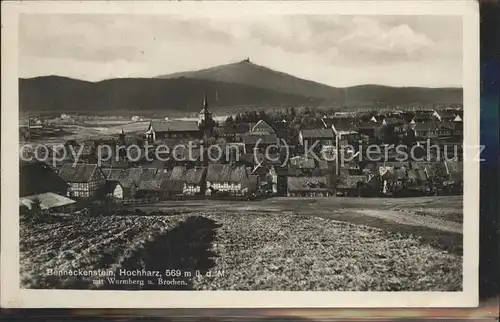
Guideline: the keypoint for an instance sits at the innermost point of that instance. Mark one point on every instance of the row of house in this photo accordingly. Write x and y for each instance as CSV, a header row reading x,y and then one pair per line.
x,y
425,124
286,175
89,180
301,178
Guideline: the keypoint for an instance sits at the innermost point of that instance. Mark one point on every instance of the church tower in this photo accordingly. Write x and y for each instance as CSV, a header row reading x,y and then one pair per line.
x,y
121,137
205,114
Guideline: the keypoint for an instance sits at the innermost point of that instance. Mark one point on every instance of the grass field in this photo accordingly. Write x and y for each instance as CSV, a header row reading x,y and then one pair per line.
x,y
274,244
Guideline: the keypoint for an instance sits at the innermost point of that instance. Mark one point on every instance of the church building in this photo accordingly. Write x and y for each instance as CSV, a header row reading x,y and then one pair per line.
x,y
205,114
205,121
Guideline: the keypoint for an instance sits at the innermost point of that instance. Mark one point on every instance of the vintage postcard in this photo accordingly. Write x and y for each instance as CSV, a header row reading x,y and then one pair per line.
x,y
240,154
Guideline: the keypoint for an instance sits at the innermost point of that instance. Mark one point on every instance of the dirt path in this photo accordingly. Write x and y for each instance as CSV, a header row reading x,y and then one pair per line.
x,y
378,213
414,220
344,209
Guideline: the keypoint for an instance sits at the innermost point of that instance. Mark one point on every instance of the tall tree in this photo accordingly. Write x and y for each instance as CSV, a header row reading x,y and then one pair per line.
x,y
229,121
263,116
385,134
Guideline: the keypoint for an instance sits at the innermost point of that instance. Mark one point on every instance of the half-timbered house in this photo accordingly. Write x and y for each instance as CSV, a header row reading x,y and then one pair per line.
x,y
227,179
84,180
195,181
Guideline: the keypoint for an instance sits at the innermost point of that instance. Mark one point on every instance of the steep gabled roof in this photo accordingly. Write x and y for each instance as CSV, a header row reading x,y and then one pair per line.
x,y
174,126
177,173
162,184
195,175
350,181
116,174
286,171
417,175
155,164
36,178
447,125
248,158
368,126
317,133
420,164
262,126
173,186
311,122
47,200
392,121
226,173
78,172
453,166
259,139
426,126
240,129
399,174
140,174
106,172
148,185
424,113
323,165
446,114
187,154
395,164
302,162
308,184
86,150
341,125
127,183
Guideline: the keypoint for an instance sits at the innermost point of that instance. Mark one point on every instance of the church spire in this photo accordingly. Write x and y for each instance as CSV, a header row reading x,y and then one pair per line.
x,y
205,101
205,113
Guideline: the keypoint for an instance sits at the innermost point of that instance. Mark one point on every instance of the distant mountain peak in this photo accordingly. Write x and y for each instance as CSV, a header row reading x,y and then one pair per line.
x,y
246,72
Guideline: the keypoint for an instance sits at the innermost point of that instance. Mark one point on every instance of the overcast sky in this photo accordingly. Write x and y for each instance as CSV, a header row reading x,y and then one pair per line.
x,y
335,50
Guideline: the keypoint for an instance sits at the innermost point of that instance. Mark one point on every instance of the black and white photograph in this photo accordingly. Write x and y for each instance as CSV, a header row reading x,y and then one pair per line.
x,y
218,147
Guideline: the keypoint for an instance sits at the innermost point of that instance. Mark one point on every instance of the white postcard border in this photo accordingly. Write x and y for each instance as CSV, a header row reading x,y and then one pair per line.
x,y
13,297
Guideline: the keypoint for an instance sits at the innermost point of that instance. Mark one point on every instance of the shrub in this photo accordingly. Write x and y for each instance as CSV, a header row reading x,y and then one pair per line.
x,y
35,214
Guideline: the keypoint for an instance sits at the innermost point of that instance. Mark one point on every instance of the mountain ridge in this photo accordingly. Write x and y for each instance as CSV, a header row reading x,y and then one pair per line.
x,y
231,85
